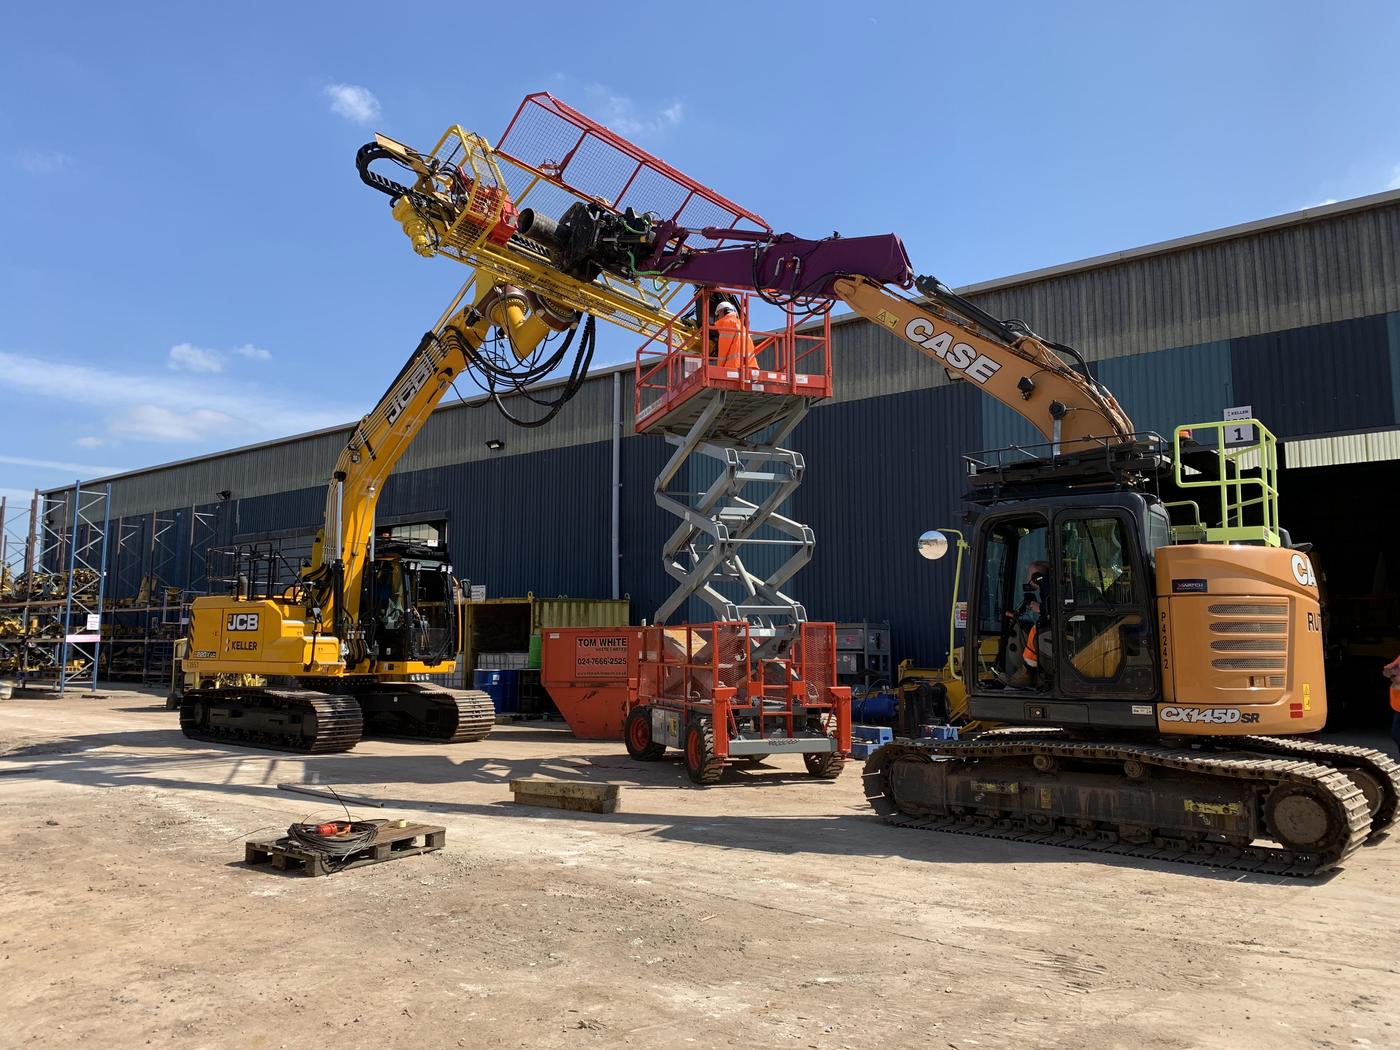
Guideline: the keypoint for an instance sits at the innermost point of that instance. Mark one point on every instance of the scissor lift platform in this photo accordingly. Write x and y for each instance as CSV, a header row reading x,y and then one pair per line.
x,y
679,371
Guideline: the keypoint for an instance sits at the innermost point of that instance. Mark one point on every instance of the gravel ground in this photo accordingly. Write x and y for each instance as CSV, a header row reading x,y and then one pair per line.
x,y
770,911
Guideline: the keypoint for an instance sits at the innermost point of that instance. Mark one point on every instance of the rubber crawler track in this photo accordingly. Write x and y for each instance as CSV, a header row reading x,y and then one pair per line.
x,y
338,722
1105,839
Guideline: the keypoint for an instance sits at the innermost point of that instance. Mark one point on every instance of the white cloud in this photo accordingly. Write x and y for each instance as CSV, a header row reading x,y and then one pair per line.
x,y
1394,183
42,161
87,470
90,441
16,496
191,358
1320,204
353,102
623,115
159,423
186,357
160,406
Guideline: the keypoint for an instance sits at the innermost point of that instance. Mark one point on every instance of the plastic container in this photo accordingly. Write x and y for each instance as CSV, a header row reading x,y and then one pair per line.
x,y
873,734
503,686
877,707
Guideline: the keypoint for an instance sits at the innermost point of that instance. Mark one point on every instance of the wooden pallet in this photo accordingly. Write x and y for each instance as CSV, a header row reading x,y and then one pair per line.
x,y
389,843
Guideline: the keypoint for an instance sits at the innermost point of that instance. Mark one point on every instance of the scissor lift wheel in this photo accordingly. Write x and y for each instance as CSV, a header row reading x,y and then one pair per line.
x,y
636,734
701,762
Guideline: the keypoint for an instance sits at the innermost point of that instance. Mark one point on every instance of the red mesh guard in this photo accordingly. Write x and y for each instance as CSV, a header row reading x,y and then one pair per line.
x,y
817,657
572,151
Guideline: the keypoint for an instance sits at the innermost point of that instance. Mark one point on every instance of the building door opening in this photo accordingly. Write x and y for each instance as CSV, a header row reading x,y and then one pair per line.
x,y
1344,511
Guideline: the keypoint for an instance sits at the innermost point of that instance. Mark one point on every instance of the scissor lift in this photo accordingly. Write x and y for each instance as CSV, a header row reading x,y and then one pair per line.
x,y
760,679
756,682
737,418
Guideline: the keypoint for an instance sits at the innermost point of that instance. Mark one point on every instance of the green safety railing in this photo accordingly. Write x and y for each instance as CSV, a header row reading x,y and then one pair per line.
x,y
1238,496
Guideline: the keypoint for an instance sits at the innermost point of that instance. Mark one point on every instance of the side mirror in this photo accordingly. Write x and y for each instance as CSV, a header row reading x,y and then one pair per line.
x,y
933,545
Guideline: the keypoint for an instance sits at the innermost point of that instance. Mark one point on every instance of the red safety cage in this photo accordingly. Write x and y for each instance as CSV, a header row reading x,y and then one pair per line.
x,y
562,146
708,668
693,353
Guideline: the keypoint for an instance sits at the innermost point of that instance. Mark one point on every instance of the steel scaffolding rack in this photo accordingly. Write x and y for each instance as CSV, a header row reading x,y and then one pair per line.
x,y
52,609
141,628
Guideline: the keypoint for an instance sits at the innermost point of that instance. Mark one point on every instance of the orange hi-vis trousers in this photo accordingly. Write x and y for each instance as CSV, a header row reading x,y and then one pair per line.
x,y
1028,653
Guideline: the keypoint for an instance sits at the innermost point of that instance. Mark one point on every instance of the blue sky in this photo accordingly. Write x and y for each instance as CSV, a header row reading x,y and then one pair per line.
x,y
188,261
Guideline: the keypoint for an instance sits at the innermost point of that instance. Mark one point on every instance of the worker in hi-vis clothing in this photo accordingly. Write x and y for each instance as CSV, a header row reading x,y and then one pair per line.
x,y
1392,671
736,349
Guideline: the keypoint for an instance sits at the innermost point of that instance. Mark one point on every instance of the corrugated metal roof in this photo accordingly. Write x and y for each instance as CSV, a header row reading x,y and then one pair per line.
x,y
1225,233
1314,267
1373,447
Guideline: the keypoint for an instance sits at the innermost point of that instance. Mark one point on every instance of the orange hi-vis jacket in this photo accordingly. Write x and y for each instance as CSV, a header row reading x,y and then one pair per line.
x,y
1392,671
736,349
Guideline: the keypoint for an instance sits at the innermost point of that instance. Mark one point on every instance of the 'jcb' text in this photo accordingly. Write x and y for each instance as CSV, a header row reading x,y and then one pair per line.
x,y
405,393
242,622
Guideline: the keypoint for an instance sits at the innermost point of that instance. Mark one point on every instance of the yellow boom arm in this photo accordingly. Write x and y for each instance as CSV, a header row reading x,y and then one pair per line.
x,y
380,439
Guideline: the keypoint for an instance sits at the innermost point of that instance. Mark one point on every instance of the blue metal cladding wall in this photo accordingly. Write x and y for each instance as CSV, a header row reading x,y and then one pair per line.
x,y
1393,332
537,522
645,527
1317,380
1163,390
260,515
533,522
881,471
1001,427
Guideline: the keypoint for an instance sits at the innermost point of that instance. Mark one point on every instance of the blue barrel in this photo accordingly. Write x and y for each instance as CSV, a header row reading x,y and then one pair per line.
x,y
502,686
875,708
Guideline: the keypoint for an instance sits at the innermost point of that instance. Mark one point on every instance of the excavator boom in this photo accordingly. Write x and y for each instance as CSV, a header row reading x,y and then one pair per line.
x,y
1067,406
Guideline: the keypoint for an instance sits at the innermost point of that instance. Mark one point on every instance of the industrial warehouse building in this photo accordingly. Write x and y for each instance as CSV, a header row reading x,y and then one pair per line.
x,y
1297,317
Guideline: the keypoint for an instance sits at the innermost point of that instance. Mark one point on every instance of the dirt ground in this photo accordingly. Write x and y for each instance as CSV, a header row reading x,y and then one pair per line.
x,y
770,911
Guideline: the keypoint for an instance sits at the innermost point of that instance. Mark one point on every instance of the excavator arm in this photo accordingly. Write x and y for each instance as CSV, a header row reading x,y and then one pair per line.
x,y
1005,361
344,545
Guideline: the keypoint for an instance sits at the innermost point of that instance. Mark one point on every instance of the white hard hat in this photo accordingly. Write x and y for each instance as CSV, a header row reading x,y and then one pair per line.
x,y
726,307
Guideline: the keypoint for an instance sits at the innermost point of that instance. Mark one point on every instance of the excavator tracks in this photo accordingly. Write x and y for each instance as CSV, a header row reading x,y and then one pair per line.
x,y
1282,815
1374,772
417,711
296,720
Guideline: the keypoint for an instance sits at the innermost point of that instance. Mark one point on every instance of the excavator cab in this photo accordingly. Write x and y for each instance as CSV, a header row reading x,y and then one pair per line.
x,y
1060,624
408,609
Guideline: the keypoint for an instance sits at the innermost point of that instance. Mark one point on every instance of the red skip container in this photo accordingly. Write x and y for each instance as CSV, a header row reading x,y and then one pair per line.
x,y
591,675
